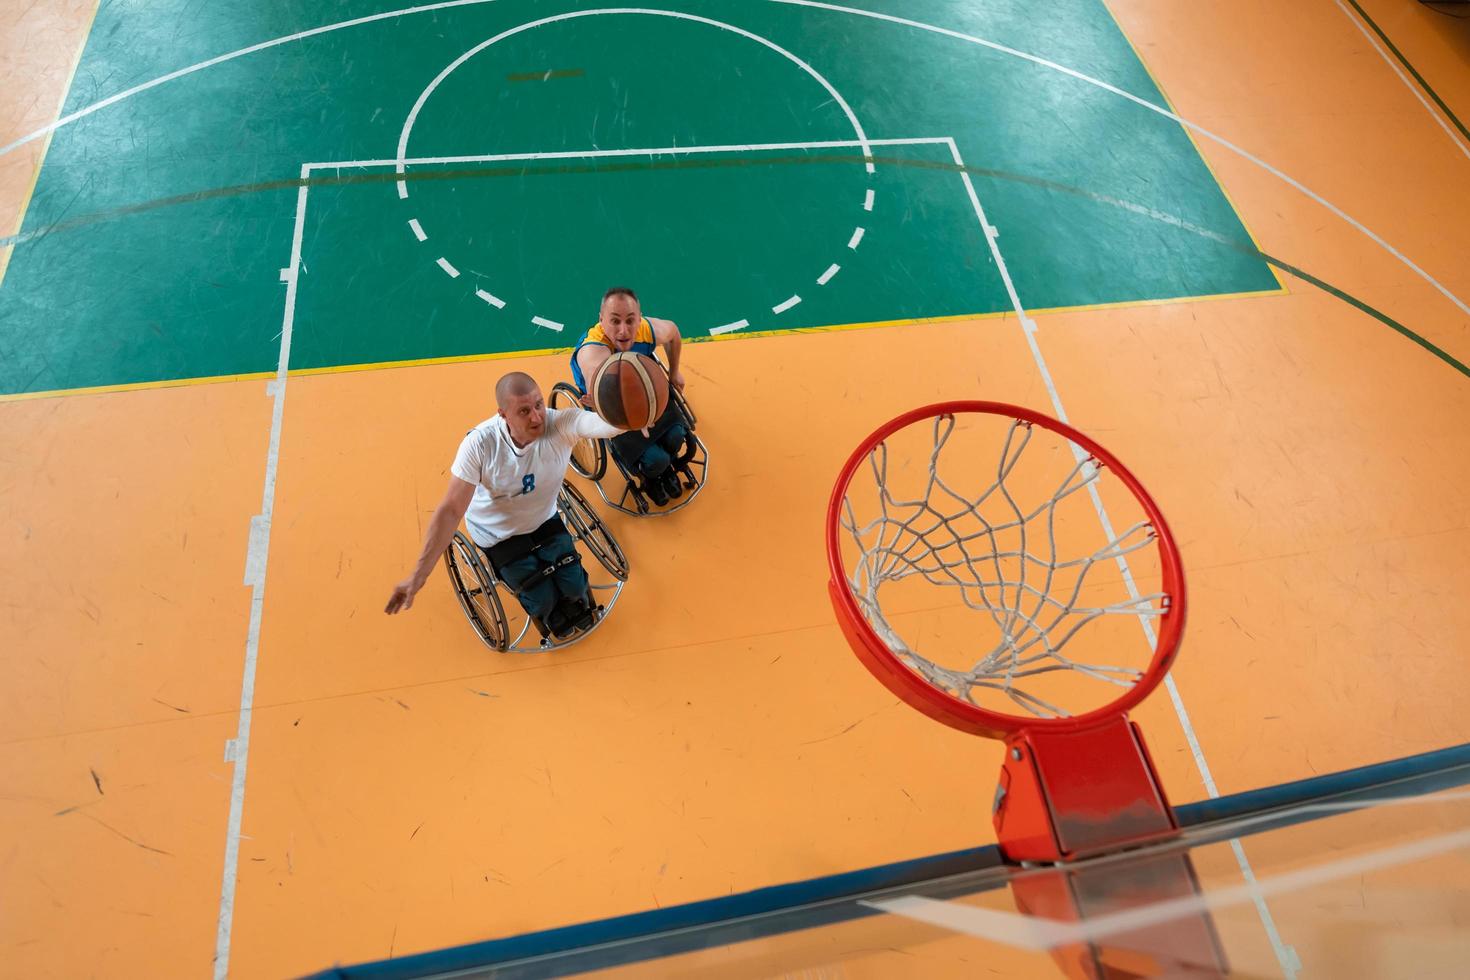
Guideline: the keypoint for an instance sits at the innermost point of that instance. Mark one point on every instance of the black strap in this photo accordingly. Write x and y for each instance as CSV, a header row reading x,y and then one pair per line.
x,y
518,546
552,569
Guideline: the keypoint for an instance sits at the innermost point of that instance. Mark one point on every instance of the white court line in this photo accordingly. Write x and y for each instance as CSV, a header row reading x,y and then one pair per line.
x,y
834,8
1454,137
865,144
400,165
857,236
548,324
1285,955
1144,103
836,96
231,56
629,152
418,229
256,560
1039,934
443,263
788,304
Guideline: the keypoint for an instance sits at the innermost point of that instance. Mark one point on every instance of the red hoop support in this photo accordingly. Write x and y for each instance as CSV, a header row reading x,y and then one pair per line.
x,y
1069,786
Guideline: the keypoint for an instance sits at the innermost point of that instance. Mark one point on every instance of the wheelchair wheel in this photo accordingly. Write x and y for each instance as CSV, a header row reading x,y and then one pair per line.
x,y
589,456
588,528
474,584
684,409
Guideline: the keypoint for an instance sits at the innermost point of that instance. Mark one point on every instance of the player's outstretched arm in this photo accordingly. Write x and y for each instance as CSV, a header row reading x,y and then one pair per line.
x,y
666,332
441,531
587,425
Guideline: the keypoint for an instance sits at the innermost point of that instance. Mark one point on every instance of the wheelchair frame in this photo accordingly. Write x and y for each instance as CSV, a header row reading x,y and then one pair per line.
x,y
590,457
478,587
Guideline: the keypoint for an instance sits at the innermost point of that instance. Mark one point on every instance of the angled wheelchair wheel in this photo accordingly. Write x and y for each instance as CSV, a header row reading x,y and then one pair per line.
x,y
589,456
694,470
476,587
587,528
683,404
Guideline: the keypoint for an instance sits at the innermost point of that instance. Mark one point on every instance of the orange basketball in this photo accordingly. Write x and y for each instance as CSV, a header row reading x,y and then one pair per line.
x,y
630,390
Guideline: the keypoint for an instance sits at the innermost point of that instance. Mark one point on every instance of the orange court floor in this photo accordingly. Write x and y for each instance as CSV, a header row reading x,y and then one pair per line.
x,y
408,790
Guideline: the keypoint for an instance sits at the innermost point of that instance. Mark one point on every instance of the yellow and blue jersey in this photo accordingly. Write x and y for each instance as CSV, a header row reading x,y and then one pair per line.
x,y
643,343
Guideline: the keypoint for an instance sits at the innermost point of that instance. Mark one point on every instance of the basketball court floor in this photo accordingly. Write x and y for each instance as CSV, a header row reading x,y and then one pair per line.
x,y
261,265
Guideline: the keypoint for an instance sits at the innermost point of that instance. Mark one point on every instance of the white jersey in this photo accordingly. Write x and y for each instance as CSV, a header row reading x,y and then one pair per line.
x,y
516,488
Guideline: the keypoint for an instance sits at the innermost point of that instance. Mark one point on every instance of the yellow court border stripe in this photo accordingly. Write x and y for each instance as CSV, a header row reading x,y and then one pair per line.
x,y
136,386
25,204
425,362
547,351
1219,184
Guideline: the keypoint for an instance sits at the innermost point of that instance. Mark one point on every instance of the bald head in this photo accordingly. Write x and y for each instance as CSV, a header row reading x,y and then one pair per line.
x,y
519,399
516,384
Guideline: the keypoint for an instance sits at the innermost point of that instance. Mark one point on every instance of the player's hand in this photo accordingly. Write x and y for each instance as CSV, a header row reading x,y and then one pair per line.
x,y
677,380
402,597
586,401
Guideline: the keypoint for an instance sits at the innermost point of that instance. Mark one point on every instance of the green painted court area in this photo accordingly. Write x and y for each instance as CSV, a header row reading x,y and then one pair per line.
x,y
719,170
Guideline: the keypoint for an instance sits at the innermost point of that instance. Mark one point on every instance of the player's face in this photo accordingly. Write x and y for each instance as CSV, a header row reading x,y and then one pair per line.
x,y
525,415
620,319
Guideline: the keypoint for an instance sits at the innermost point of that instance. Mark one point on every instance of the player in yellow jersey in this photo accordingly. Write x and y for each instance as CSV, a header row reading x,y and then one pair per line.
x,y
655,458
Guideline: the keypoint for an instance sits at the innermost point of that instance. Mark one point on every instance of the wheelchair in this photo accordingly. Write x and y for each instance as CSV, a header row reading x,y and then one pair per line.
x,y
504,626
590,457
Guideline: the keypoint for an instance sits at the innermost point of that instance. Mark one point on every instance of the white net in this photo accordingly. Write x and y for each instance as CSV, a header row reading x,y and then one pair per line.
x,y
1025,557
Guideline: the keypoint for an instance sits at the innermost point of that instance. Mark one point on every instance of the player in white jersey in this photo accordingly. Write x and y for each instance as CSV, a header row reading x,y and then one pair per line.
x,y
503,485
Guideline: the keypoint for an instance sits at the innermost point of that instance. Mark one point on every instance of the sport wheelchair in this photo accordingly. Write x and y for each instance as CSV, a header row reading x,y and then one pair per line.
x,y
504,626
590,457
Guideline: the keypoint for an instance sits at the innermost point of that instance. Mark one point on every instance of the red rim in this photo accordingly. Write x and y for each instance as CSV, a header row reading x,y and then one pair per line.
x,y
938,704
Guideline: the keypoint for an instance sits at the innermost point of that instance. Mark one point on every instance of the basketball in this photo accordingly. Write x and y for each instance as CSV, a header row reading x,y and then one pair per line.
x,y
630,390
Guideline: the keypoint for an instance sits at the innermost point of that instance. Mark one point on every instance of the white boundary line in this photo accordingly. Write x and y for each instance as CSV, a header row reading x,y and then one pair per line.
x,y
237,751
1285,955
1358,23
651,151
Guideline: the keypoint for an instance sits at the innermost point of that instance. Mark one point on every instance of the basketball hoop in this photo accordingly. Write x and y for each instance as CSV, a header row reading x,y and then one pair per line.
x,y
978,575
